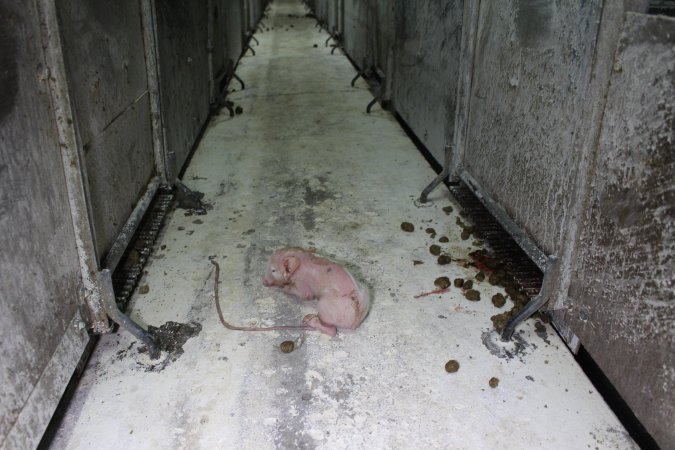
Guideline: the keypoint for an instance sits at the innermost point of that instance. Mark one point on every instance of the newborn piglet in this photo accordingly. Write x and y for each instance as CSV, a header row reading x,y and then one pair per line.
x,y
342,301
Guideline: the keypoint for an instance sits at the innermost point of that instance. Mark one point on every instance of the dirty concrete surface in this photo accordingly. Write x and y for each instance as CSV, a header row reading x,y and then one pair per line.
x,y
304,165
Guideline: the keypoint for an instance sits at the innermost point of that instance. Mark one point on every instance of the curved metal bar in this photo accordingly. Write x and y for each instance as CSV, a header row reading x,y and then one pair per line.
x,y
371,104
236,77
248,47
360,74
123,320
228,105
439,178
329,38
537,302
253,38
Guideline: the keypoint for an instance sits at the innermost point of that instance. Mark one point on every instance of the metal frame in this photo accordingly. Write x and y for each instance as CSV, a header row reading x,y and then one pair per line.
x,y
75,172
148,14
522,239
97,293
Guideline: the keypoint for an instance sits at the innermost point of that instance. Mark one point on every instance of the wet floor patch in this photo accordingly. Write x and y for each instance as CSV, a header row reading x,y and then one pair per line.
x,y
516,347
169,339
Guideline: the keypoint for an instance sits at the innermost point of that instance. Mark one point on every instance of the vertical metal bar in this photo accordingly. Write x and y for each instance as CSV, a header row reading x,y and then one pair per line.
x,y
148,14
73,167
470,24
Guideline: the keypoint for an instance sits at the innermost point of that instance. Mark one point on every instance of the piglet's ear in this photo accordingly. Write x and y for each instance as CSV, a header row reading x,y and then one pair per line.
x,y
291,264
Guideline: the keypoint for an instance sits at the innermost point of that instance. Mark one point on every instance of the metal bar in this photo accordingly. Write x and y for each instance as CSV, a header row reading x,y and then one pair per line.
x,y
537,302
359,74
518,235
466,70
153,76
236,77
73,167
123,320
439,178
371,104
129,228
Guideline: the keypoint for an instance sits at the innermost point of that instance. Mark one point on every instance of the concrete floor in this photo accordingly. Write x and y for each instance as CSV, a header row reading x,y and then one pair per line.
x,y
304,165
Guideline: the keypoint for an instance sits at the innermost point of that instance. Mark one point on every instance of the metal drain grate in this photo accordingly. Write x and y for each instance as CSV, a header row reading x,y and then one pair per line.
x,y
129,270
503,247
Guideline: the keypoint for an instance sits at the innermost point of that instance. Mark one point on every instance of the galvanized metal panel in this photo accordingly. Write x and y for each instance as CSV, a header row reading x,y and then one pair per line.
x,y
120,163
38,259
321,10
184,74
427,50
218,19
105,63
104,53
622,294
532,69
382,33
355,39
332,18
234,31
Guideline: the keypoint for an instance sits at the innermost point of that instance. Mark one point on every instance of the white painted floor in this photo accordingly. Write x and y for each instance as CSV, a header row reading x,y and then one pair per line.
x,y
304,165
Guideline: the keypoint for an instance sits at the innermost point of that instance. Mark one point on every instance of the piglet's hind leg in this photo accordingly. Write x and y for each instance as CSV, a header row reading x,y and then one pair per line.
x,y
313,321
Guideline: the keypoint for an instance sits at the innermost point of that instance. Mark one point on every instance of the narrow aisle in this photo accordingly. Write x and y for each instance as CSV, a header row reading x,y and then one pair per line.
x,y
304,165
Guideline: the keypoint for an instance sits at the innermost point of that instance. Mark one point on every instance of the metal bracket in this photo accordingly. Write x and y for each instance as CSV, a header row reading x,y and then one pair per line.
x,y
248,47
236,77
439,178
537,302
360,74
253,38
110,306
371,104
